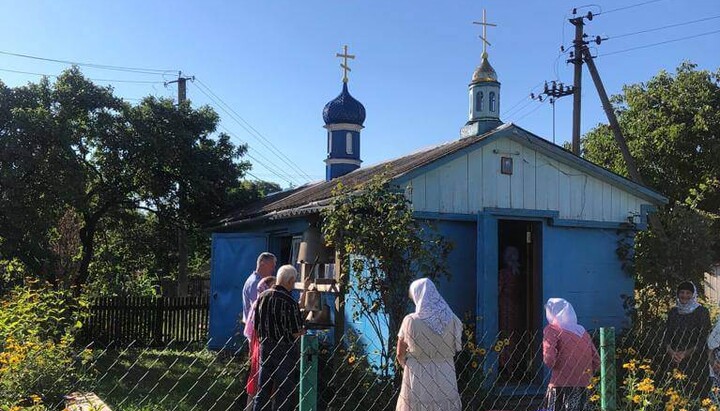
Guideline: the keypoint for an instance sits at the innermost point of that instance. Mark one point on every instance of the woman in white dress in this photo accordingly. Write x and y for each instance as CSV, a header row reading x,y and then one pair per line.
x,y
427,342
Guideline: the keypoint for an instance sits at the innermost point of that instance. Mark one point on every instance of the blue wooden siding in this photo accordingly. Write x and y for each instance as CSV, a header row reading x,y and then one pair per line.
x,y
581,266
459,290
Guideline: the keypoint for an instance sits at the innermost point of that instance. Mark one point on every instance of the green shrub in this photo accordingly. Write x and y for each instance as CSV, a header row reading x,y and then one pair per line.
x,y
37,359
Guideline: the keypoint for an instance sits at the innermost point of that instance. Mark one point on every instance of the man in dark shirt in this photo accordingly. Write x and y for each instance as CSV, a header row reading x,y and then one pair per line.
x,y
278,325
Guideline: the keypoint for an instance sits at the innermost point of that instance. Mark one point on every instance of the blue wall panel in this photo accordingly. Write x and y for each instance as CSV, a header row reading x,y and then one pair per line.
x,y
233,259
460,291
581,266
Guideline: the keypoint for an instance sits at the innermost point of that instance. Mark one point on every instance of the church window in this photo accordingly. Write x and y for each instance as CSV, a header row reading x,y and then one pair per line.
x,y
349,143
492,101
329,142
479,101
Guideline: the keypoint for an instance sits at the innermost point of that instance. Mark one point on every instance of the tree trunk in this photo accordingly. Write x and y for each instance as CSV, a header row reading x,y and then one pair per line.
x,y
87,237
182,280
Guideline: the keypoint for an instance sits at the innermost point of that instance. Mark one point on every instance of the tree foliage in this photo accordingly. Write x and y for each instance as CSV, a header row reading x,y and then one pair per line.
x,y
78,163
383,248
672,126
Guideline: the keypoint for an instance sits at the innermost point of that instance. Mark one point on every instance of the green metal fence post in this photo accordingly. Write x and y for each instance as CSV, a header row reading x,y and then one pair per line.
x,y
608,388
308,373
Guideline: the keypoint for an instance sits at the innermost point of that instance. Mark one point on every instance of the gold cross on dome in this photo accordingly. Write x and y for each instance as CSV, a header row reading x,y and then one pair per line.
x,y
344,65
485,25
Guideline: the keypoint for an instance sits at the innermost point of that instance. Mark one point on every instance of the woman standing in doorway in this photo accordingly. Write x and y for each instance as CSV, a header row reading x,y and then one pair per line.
x,y
427,342
570,354
511,313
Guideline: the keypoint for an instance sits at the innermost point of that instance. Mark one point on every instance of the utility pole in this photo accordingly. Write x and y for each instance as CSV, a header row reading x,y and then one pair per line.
x,y
612,119
576,58
632,169
553,92
182,280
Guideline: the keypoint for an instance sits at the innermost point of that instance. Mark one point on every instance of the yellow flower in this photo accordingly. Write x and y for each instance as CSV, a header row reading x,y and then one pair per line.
x,y
497,347
637,399
646,385
630,366
506,341
481,351
678,375
351,359
706,402
471,345
474,364
594,398
36,399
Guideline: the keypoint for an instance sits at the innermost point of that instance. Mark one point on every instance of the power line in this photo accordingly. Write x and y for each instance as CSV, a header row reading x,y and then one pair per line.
x,y
529,112
92,65
514,109
660,43
255,133
91,79
628,7
663,27
274,167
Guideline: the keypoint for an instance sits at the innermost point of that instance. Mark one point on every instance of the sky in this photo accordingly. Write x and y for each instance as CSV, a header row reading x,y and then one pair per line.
x,y
269,67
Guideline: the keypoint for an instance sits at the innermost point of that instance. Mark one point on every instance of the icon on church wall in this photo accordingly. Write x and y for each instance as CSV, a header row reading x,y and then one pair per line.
x,y
506,165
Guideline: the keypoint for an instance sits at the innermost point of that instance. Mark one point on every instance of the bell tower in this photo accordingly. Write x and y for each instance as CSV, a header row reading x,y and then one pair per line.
x,y
344,117
483,93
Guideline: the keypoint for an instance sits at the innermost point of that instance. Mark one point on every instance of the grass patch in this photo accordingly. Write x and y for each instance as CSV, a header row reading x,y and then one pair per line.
x,y
170,379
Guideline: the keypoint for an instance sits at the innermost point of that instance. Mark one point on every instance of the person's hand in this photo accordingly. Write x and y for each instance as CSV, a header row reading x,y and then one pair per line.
x,y
716,367
675,356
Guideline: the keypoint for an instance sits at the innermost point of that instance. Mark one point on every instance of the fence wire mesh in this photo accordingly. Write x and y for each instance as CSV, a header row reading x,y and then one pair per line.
x,y
491,372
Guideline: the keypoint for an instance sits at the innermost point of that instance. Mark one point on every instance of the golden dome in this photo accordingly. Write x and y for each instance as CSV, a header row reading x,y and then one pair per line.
x,y
484,72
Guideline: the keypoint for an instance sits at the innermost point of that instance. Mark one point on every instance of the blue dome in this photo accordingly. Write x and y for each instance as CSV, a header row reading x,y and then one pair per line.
x,y
344,109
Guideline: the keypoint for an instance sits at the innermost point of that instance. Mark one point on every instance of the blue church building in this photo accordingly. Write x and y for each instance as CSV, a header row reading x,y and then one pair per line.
x,y
495,186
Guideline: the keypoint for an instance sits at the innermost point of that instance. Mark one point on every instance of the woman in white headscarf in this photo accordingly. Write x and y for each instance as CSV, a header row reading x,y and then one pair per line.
x,y
571,356
427,342
686,331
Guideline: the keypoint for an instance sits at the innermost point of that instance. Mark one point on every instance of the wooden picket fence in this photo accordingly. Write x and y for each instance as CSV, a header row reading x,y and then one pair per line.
x,y
147,321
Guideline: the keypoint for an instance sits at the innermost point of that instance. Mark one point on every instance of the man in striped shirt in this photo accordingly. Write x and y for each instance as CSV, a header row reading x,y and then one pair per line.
x,y
278,325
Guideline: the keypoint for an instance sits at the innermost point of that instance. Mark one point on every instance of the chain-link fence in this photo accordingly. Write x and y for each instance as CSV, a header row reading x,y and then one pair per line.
x,y
649,369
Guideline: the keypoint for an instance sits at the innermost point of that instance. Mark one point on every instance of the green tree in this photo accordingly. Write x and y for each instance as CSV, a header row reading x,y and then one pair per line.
x,y
73,145
671,124
384,248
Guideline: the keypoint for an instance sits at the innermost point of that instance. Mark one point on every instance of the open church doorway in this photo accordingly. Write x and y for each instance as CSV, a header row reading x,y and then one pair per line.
x,y
520,306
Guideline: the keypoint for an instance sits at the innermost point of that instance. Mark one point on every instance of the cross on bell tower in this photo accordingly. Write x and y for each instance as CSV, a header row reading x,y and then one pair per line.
x,y
484,36
345,56
483,91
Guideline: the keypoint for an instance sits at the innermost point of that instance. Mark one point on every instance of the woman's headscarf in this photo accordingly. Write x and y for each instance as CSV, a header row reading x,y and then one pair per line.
x,y
561,313
690,306
430,306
